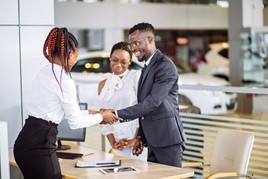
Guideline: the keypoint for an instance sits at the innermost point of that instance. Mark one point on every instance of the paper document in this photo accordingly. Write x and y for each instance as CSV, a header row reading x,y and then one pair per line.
x,y
103,163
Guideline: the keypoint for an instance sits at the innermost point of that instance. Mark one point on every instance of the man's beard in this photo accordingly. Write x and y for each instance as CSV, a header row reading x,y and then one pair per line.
x,y
143,58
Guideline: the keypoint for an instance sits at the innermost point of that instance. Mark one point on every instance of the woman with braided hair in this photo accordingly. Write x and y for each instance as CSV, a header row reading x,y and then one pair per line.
x,y
52,99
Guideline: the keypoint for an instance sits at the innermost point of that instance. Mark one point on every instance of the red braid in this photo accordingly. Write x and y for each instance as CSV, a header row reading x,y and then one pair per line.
x,y
50,43
62,50
58,44
53,42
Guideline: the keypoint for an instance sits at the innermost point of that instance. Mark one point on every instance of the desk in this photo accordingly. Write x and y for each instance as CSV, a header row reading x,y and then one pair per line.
x,y
148,170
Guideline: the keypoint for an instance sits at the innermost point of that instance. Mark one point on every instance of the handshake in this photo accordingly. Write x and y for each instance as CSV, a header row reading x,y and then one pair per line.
x,y
108,115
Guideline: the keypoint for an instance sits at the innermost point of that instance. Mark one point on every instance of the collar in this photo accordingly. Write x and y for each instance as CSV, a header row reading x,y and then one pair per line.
x,y
149,59
122,74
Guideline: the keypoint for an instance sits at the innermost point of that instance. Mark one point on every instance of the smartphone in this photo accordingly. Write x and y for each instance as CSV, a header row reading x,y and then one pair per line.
x,y
118,170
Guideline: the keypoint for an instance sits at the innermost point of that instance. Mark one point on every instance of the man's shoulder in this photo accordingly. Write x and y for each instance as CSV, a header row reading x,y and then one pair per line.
x,y
162,56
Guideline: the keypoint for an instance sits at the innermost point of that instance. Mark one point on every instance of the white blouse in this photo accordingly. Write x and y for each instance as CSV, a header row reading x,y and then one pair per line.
x,y
119,93
47,101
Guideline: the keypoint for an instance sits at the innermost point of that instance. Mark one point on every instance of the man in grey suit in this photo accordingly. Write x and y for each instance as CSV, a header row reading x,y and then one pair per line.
x,y
157,108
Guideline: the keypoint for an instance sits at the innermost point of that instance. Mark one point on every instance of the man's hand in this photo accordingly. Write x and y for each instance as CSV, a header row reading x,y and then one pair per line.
x,y
108,116
137,147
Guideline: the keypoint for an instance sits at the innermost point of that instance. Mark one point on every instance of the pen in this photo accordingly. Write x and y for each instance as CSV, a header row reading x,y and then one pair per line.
x,y
88,154
105,163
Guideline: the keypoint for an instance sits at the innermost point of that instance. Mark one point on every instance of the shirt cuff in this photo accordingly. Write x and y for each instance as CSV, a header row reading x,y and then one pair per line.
x,y
98,117
115,112
84,112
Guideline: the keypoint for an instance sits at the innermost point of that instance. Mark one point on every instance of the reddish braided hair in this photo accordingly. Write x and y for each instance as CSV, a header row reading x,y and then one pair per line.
x,y
59,43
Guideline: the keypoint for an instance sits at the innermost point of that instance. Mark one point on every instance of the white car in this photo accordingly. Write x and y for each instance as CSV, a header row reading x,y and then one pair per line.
x,y
209,102
217,61
91,68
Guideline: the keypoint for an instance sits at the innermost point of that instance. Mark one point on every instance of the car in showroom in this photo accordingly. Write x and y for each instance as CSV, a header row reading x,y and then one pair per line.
x,y
209,102
93,67
217,61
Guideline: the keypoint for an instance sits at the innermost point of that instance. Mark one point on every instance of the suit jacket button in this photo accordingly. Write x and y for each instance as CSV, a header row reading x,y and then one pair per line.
x,y
142,118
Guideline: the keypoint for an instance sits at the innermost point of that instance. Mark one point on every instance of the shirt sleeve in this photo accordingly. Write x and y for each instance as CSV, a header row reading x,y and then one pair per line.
x,y
76,118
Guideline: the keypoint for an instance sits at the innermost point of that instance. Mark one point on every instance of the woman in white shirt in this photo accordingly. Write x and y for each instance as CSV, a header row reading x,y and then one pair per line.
x,y
52,99
119,91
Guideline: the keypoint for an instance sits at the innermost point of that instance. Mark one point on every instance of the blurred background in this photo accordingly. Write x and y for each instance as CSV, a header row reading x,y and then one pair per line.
x,y
220,48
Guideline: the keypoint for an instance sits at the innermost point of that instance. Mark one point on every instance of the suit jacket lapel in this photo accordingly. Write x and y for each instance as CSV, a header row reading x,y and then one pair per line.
x,y
146,71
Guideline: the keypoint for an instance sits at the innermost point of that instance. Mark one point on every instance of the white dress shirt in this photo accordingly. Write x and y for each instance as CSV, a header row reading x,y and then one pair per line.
x,y
52,103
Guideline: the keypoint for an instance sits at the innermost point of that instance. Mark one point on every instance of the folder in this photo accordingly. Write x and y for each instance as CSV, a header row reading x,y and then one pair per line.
x,y
103,163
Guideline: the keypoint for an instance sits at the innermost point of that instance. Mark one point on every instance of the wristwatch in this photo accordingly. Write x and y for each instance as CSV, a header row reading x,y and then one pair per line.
x,y
138,137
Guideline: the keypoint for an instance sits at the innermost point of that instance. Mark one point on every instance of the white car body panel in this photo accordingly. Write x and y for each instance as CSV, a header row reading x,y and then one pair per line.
x,y
216,64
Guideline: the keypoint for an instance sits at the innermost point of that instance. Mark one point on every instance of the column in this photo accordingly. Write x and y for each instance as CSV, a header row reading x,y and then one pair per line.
x,y
243,15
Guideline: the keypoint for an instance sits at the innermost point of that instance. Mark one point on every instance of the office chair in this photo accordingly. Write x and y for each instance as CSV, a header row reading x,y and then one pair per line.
x,y
231,155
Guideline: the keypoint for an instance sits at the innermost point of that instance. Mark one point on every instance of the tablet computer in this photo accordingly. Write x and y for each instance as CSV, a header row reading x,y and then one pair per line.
x,y
118,170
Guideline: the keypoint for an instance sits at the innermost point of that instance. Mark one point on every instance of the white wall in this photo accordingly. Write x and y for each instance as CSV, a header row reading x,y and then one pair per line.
x,y
118,15
24,25
115,17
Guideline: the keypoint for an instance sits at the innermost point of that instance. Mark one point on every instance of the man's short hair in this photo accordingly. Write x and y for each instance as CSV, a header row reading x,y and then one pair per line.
x,y
143,27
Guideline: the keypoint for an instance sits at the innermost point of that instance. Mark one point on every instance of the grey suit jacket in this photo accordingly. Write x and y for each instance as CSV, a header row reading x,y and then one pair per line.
x,y
157,107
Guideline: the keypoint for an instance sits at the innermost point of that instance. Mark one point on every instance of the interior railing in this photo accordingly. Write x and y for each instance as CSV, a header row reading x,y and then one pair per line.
x,y
201,129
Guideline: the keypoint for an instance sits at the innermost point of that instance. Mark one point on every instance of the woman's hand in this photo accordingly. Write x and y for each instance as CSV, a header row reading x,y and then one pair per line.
x,y
121,144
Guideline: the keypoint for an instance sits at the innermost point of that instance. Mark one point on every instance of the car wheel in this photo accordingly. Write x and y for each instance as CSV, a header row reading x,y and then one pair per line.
x,y
222,76
183,100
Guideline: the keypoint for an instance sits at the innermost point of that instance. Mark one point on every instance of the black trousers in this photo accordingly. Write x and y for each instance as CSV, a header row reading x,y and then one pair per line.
x,y
35,150
170,155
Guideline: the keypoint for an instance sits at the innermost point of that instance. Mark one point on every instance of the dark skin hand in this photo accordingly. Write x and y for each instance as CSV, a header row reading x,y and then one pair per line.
x,y
108,116
119,146
122,144
137,147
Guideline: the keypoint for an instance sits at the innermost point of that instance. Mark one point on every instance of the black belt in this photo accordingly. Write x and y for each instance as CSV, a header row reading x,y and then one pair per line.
x,y
40,121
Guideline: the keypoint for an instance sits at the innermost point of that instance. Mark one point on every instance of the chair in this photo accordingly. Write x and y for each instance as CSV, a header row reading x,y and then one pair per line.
x,y
68,177
231,155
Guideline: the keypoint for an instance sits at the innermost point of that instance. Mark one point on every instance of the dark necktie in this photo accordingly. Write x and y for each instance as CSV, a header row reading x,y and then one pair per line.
x,y
143,69
142,73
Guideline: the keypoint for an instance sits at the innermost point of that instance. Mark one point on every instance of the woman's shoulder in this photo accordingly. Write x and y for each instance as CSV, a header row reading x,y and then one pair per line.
x,y
102,83
134,73
107,75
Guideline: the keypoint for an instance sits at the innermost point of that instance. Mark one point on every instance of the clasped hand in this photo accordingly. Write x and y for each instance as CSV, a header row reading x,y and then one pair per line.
x,y
121,144
108,116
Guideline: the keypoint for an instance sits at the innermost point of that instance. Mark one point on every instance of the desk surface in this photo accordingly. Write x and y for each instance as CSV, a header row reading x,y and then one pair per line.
x,y
148,170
